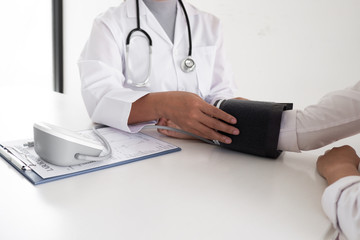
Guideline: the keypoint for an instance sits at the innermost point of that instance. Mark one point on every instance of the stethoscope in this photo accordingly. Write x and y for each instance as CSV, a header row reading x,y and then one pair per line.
x,y
187,65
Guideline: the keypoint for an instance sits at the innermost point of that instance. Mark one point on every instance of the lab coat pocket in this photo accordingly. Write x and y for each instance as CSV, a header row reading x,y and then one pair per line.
x,y
204,58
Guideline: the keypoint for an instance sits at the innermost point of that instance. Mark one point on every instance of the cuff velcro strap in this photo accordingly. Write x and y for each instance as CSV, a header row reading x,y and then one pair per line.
x,y
259,125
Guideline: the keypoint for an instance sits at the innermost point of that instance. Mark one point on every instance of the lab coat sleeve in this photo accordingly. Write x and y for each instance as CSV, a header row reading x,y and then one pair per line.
x,y
101,71
336,116
223,86
341,203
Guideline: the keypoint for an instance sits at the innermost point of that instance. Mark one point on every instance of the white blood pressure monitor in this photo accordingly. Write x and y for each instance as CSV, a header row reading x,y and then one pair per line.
x,y
62,147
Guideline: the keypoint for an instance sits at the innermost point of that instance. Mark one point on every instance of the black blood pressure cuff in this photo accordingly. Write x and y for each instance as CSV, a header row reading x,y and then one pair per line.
x,y
259,125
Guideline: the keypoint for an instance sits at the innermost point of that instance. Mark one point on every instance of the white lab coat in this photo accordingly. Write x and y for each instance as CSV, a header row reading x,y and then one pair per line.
x,y
108,98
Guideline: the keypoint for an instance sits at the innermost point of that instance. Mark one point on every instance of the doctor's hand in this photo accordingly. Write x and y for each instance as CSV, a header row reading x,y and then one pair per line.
x,y
338,163
192,114
187,111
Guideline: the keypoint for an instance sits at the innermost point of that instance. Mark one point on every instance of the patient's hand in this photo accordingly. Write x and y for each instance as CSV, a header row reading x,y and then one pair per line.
x,y
338,163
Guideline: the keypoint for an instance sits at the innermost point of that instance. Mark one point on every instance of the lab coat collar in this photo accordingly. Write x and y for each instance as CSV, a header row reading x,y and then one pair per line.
x,y
131,8
180,25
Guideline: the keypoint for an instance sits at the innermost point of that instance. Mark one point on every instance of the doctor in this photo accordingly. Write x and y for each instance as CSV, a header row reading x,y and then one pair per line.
x,y
157,60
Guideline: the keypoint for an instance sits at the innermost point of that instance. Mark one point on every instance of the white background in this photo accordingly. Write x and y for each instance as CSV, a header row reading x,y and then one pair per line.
x,y
26,43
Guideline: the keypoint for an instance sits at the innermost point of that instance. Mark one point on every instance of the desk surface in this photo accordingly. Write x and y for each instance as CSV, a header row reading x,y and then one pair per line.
x,y
201,192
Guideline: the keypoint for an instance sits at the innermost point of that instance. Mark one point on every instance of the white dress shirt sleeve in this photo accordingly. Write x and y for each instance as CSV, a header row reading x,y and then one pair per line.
x,y
336,116
341,203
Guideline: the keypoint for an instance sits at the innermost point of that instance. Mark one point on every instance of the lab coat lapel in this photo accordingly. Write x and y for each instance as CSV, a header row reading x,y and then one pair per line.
x,y
147,23
153,23
131,8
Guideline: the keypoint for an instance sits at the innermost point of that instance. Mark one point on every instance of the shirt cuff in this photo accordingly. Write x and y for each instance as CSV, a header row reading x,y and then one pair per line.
x,y
114,109
134,128
288,135
332,194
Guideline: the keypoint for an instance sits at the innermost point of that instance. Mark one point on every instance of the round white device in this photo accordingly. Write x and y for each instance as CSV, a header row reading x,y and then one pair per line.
x,y
59,146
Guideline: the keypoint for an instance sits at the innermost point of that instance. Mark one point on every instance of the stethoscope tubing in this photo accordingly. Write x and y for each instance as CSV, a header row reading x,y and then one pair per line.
x,y
188,27
139,29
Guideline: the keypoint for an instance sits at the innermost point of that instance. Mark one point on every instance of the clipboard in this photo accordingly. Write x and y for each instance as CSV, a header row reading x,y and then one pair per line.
x,y
129,147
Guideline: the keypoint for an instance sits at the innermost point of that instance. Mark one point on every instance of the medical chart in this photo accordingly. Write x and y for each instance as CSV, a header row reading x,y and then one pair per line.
x,y
125,147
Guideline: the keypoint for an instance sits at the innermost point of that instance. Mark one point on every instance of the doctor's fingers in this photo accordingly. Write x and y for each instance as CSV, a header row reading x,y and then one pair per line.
x,y
215,112
204,131
211,128
171,133
218,125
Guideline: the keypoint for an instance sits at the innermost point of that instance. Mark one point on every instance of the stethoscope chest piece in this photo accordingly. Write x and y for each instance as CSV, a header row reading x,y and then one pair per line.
x,y
188,64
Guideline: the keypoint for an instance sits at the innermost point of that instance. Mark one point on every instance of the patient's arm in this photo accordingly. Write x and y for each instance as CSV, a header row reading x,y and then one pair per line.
x,y
336,116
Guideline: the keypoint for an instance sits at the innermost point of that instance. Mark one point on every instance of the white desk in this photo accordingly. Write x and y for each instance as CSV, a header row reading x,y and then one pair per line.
x,y
202,192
